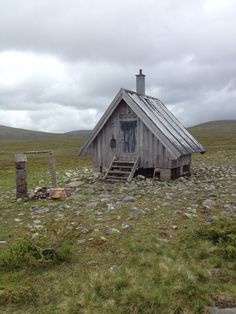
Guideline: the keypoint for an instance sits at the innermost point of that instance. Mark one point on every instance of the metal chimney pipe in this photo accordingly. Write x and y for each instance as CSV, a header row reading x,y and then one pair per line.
x,y
140,83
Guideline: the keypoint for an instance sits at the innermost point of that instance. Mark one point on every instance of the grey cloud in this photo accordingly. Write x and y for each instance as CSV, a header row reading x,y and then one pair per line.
x,y
74,56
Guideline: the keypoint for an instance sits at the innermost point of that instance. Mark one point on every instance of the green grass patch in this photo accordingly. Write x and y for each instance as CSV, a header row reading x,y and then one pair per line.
x,y
145,256
27,253
223,235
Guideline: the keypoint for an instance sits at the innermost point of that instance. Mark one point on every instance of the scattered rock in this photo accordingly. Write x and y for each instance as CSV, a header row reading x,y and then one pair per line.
x,y
17,219
81,241
129,199
136,213
85,230
97,175
216,310
39,210
140,177
230,208
103,238
208,204
188,215
113,268
126,226
74,184
88,191
59,216
181,179
110,207
212,218
118,205
113,231
92,204
106,198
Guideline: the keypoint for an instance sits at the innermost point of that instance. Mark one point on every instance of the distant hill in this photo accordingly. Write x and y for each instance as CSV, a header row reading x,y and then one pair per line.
x,y
9,134
14,134
215,128
78,133
206,133
216,134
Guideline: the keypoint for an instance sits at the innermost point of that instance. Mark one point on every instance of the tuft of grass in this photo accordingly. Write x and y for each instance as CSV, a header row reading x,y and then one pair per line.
x,y
156,281
223,235
26,254
18,295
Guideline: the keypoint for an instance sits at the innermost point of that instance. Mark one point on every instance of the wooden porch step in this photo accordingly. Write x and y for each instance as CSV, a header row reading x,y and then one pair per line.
x,y
123,162
116,170
123,169
119,172
122,166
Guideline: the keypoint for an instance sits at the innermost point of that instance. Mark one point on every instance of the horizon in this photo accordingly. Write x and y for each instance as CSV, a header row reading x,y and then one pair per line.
x,y
88,130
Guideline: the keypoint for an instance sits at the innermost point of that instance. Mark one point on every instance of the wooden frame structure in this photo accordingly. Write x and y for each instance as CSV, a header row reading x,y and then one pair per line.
x,y
21,172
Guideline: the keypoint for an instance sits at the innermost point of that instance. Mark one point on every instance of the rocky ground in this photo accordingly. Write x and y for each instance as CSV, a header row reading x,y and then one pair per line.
x,y
100,211
102,208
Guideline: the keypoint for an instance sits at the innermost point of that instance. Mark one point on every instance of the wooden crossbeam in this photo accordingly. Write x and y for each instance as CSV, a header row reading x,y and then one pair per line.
x,y
38,152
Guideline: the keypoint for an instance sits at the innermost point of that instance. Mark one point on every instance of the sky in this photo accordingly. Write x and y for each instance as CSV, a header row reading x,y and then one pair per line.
x,y
63,61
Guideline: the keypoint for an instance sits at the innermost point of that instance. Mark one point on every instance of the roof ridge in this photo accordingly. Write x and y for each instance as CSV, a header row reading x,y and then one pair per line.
x,y
140,95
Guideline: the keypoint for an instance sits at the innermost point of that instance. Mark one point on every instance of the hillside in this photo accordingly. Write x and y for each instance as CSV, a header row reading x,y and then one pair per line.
x,y
14,134
209,134
9,134
216,135
78,133
225,126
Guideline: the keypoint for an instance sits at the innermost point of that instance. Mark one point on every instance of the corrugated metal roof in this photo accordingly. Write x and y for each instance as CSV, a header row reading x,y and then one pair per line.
x,y
167,123
155,115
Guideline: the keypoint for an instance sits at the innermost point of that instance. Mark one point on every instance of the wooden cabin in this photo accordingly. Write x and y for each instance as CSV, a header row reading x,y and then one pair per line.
x,y
138,134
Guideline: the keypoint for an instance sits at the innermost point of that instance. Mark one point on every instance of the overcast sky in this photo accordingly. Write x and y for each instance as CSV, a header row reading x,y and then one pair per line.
x,y
63,61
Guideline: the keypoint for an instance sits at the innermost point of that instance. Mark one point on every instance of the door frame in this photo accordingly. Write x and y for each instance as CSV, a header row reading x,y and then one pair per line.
x,y
125,155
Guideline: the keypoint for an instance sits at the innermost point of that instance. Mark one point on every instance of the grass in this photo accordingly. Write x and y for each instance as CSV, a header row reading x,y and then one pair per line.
x,y
163,262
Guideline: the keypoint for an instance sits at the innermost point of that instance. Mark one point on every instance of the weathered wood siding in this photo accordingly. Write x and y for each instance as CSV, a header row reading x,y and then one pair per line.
x,y
152,153
181,161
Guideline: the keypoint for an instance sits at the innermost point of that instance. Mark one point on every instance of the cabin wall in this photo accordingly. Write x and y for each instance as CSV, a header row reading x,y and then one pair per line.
x,y
182,165
101,149
181,161
152,153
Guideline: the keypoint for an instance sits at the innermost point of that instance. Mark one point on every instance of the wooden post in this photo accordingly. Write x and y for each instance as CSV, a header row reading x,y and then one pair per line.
x,y
52,167
21,176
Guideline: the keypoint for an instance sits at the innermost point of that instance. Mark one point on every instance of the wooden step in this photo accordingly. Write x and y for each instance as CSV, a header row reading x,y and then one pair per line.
x,y
118,172
121,169
122,162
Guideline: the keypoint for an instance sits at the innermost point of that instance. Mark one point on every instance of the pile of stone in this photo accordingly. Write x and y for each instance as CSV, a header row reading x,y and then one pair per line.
x,y
49,193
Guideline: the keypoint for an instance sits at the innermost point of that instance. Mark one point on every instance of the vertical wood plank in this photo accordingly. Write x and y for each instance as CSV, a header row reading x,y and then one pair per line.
x,y
21,176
